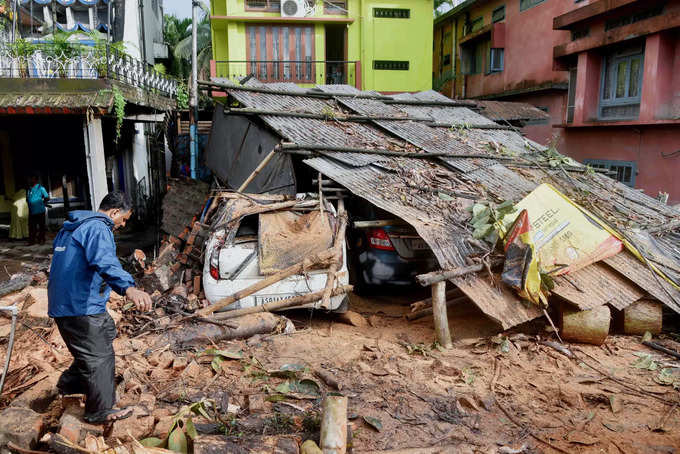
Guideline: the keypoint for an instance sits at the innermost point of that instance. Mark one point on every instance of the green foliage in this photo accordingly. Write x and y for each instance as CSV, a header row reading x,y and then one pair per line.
x,y
182,49
160,67
182,96
488,219
645,361
119,109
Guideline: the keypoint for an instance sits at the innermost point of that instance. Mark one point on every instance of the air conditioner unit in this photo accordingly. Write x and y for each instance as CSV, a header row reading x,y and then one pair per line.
x,y
293,8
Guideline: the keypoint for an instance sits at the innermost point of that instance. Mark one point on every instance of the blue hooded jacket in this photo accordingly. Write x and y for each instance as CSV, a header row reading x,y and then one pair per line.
x,y
85,266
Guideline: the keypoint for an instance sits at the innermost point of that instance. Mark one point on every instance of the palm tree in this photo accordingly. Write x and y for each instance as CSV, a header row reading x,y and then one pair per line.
x,y
174,31
439,3
182,49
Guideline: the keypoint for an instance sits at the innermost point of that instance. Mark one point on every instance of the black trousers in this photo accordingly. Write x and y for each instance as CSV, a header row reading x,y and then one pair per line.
x,y
36,228
89,338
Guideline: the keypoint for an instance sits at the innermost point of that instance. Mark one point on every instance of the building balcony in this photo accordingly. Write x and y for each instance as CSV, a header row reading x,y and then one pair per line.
x,y
295,71
23,60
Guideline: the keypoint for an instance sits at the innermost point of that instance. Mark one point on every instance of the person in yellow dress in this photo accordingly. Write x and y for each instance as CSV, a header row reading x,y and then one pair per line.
x,y
18,229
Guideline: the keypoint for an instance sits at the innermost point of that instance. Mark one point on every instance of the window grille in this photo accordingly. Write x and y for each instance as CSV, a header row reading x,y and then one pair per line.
x,y
264,5
526,4
391,65
623,171
571,97
498,14
392,13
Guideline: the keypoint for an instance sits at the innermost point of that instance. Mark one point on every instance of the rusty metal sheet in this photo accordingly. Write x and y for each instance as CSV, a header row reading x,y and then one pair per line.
x,y
497,301
503,182
448,240
286,238
511,111
444,114
596,285
630,267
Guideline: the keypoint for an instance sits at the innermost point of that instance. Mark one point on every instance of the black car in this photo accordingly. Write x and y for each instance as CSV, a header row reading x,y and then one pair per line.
x,y
384,250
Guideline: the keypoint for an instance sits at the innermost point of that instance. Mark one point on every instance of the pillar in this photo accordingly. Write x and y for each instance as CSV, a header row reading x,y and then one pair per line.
x,y
96,161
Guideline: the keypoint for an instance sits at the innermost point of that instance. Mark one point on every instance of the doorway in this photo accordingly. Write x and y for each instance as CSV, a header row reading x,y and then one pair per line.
x,y
336,54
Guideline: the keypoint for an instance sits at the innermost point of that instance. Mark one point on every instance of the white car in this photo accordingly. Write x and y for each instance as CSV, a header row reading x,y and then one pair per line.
x,y
235,253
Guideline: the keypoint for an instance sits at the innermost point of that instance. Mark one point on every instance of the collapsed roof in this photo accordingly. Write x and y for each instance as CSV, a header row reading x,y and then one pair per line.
x,y
425,158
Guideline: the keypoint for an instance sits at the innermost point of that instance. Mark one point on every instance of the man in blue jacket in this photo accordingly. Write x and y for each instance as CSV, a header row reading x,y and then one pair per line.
x,y
84,270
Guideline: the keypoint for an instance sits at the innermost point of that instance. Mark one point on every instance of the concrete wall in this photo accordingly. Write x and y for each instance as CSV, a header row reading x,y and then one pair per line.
x,y
368,39
646,146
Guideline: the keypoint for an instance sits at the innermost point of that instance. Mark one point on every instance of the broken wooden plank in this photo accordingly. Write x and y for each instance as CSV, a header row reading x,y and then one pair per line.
x,y
337,257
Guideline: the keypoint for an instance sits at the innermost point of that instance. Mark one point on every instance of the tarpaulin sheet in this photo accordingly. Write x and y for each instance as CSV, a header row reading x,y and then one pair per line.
x,y
237,146
287,238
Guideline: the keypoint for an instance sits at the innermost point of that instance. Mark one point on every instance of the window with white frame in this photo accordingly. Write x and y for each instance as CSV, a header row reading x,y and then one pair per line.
x,y
496,56
621,86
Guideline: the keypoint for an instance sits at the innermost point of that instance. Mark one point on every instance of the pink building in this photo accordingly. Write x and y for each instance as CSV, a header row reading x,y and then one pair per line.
x,y
607,72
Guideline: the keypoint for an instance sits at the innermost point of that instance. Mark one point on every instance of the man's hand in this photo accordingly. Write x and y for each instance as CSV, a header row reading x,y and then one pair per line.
x,y
141,299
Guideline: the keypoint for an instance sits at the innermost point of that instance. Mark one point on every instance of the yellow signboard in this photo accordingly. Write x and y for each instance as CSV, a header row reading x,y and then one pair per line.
x,y
565,239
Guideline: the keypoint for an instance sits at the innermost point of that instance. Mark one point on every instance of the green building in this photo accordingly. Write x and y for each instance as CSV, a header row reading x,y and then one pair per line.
x,y
370,44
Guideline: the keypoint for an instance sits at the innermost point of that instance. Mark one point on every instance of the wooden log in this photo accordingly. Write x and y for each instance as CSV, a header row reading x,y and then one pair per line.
x,y
333,438
309,447
190,334
440,276
441,320
427,302
298,268
429,311
352,318
283,304
661,348
328,378
590,327
642,316
337,258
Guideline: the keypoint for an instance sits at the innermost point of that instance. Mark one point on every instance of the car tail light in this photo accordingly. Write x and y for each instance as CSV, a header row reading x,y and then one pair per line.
x,y
378,239
215,263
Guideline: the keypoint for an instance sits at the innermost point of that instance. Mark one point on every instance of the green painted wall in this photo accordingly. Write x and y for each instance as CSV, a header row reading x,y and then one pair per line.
x,y
368,39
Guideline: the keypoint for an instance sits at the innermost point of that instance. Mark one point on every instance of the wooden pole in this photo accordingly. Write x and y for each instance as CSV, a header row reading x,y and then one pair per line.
x,y
298,268
257,170
441,320
439,276
337,258
278,305
333,438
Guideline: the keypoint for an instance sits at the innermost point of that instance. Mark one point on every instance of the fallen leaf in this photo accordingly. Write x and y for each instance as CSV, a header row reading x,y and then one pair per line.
x,y
177,441
374,422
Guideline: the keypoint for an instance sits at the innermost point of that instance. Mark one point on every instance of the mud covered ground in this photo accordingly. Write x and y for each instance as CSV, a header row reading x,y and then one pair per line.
x,y
491,393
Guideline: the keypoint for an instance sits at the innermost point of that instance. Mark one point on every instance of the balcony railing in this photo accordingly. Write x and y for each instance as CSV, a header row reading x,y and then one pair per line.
x,y
80,61
295,71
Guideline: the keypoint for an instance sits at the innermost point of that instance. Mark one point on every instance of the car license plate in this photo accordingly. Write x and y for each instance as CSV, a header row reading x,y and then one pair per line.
x,y
418,244
264,299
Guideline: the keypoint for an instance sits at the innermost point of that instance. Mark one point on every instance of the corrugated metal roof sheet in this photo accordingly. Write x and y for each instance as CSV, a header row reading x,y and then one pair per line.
x,y
427,193
592,286
630,267
497,301
511,111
